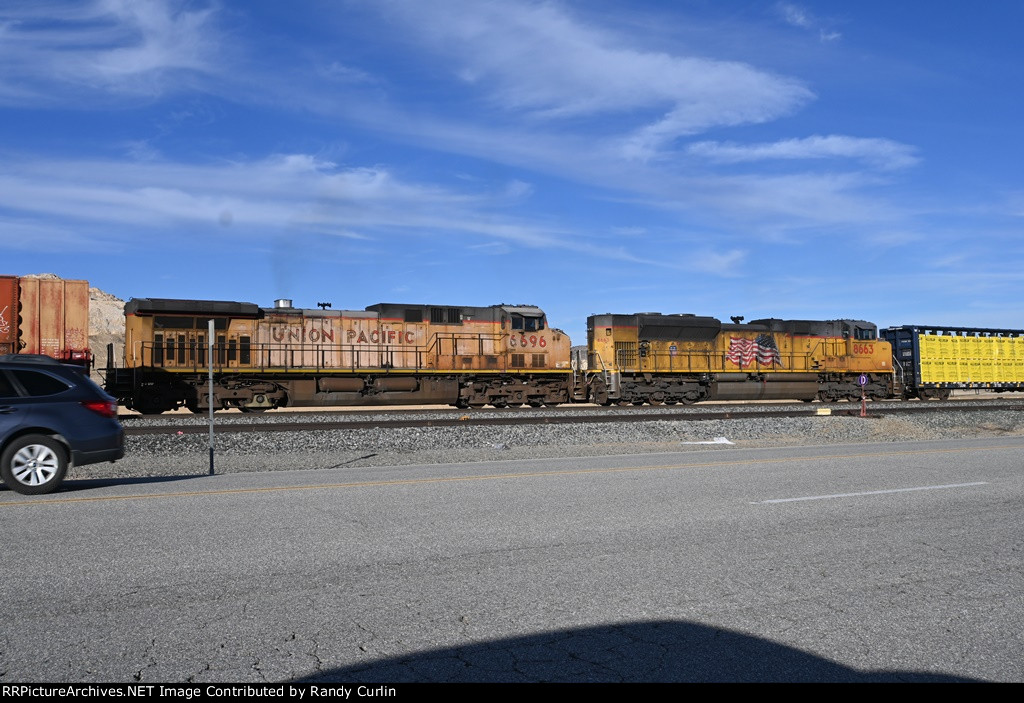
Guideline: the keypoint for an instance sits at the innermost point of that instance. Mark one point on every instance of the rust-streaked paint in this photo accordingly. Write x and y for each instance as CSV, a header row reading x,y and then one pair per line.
x,y
45,316
28,327
8,314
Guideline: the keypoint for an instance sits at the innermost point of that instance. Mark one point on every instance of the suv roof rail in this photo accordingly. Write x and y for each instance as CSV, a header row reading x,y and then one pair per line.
x,y
29,359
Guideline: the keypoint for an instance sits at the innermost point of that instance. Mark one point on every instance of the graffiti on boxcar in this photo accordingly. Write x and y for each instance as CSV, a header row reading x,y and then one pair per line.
x,y
74,338
5,326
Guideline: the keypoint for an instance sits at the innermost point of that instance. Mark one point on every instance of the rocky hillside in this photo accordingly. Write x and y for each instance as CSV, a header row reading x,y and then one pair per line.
x,y
106,325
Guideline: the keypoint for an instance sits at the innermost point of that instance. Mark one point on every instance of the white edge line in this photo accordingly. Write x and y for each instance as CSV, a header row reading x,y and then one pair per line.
x,y
869,493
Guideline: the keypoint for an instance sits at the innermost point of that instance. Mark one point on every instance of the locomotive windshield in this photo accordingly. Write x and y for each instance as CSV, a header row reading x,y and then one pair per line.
x,y
527,323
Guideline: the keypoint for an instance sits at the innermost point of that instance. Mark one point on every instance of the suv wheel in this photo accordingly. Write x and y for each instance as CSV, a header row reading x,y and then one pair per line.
x,y
33,464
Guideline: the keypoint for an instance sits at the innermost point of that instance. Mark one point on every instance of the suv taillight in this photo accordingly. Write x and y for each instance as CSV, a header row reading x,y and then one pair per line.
x,y
101,407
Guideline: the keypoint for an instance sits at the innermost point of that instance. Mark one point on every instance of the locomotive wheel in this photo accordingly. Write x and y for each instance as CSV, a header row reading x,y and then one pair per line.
x,y
148,406
500,402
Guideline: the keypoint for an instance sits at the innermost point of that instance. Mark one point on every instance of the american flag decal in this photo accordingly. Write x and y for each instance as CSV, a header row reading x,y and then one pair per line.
x,y
763,350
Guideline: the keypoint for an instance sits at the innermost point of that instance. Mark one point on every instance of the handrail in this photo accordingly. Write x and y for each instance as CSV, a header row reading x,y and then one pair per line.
x,y
699,361
264,357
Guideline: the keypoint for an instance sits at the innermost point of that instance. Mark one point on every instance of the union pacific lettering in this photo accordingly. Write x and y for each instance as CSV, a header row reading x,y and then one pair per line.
x,y
301,334
322,336
379,337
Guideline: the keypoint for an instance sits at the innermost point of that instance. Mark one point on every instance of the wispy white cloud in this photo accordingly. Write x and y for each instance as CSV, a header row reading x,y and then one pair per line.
x,y
276,192
723,263
337,71
539,88
517,189
796,202
259,200
51,51
798,16
539,61
35,235
492,248
794,15
684,184
880,153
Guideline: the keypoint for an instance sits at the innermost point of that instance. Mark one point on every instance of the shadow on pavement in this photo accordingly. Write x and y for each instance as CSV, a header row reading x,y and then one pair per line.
x,y
665,651
74,485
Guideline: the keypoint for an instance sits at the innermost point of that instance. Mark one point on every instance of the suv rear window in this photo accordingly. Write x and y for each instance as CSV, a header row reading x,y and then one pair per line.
x,y
6,390
39,384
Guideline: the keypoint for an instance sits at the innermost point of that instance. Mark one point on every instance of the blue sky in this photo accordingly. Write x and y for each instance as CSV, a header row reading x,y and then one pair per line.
x,y
769,159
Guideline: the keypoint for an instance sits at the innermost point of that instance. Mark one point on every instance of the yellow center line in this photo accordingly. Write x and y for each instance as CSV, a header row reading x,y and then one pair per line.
x,y
493,477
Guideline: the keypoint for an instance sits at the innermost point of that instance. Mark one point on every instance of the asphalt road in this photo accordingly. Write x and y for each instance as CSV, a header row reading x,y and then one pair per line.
x,y
868,562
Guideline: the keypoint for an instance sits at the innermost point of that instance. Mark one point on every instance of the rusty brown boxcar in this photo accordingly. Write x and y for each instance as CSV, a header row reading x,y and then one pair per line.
x,y
45,316
386,354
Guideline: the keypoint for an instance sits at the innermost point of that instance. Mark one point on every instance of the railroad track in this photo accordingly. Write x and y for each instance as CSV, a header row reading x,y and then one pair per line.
x,y
136,425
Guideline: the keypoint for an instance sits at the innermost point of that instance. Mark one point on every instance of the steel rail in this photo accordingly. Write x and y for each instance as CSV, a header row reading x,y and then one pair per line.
x,y
527,418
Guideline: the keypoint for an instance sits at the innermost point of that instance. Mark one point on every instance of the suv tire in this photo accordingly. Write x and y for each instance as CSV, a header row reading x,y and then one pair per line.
x,y
33,464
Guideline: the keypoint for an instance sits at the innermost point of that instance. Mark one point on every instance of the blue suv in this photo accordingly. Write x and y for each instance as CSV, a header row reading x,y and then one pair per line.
x,y
52,416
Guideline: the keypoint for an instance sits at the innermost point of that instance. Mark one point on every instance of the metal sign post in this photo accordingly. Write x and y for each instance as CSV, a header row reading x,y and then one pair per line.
x,y
209,398
863,381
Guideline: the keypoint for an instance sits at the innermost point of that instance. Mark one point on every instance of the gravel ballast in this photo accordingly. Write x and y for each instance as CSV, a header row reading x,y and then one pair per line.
x,y
172,454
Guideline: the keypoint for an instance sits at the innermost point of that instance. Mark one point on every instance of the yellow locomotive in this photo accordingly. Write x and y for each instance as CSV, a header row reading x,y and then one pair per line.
x,y
384,355
654,358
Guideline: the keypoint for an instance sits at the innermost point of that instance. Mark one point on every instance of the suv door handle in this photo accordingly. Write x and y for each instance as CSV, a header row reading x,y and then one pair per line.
x,y
7,409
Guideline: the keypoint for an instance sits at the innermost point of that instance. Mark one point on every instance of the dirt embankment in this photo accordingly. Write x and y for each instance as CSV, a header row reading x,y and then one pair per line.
x,y
106,325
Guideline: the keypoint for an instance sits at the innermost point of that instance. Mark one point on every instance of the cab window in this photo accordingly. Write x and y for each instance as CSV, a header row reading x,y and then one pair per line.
x,y
527,324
